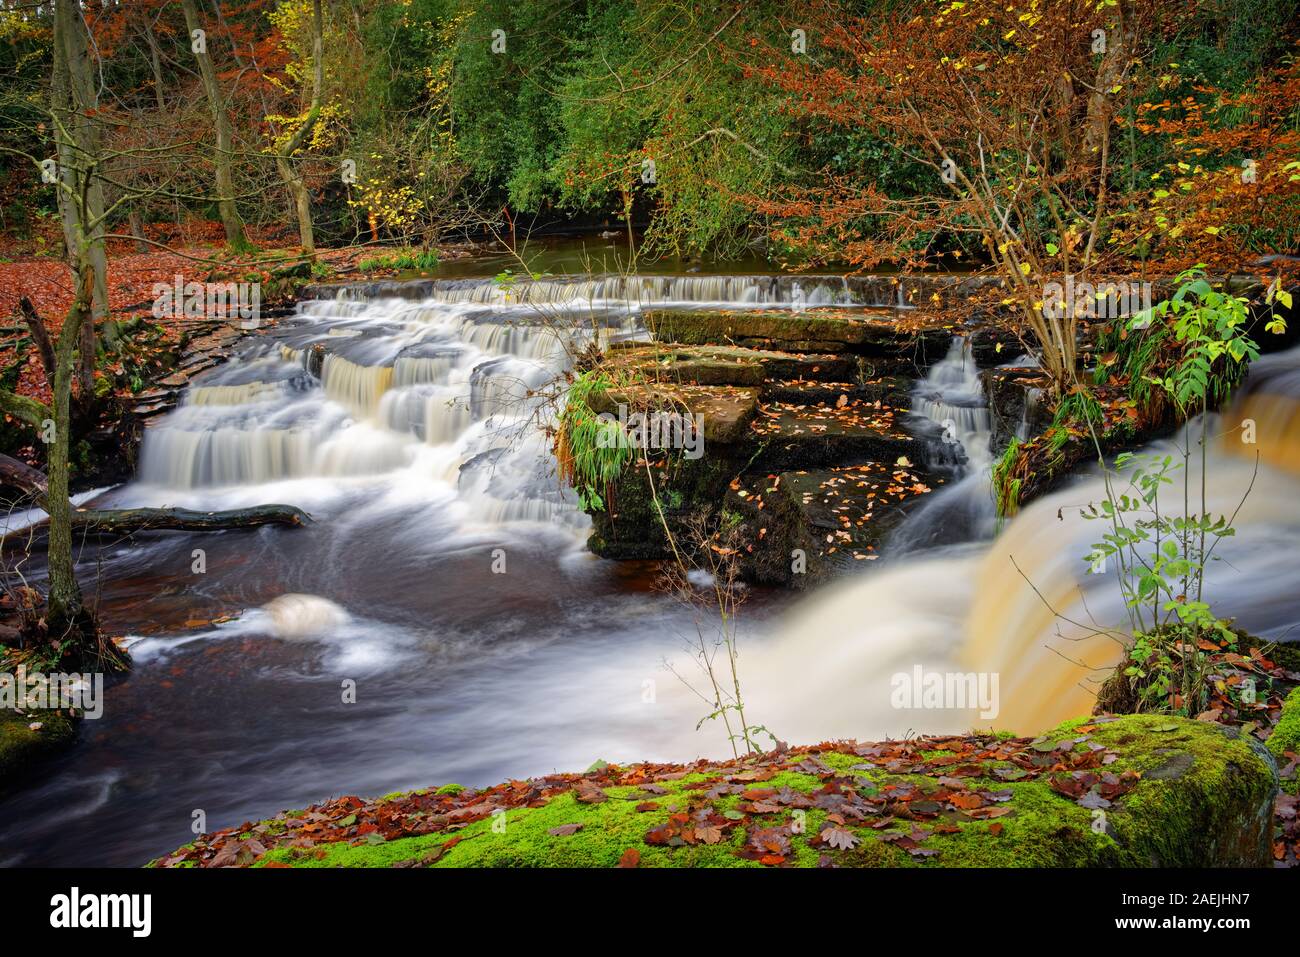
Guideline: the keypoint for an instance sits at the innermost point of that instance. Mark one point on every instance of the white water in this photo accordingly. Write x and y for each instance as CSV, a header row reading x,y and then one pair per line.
x,y
701,290
406,394
986,608
431,408
952,396
419,460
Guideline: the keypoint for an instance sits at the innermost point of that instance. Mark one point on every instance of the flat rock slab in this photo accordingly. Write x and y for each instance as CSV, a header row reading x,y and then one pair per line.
x,y
865,331
894,391
846,433
725,365
726,411
675,363
803,527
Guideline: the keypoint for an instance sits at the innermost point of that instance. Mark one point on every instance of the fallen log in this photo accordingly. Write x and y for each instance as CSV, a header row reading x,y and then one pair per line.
x,y
22,475
125,520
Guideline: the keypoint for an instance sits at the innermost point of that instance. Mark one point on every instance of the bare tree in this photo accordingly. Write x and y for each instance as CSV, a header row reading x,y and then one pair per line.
x,y
74,104
222,156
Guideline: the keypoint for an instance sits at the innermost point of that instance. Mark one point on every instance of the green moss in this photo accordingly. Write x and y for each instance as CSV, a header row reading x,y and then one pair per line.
x,y
450,789
22,749
1288,656
1203,797
1043,830
1286,736
1202,790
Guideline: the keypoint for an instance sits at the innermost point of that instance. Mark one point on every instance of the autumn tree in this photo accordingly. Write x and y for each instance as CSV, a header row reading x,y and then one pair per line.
x,y
296,132
93,187
73,108
1012,108
1230,186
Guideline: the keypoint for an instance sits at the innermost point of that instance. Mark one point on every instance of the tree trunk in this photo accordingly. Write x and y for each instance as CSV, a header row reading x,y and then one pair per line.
x,y
75,104
225,182
293,178
155,64
138,232
127,520
1120,44
66,613
293,181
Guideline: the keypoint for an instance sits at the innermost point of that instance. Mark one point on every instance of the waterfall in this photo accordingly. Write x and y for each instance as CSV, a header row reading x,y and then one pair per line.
x,y
952,396
359,388
989,608
762,291
383,391
232,394
1033,403
392,382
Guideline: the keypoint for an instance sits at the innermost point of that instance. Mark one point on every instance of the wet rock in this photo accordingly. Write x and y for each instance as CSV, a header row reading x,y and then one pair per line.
x,y
1014,403
804,527
864,332
1080,795
803,437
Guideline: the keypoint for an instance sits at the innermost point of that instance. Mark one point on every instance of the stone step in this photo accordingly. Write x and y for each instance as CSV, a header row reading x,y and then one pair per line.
x,y
891,390
850,432
148,409
725,365
802,527
726,412
869,332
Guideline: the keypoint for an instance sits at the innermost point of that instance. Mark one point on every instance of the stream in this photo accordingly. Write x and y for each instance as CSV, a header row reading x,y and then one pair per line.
x,y
444,578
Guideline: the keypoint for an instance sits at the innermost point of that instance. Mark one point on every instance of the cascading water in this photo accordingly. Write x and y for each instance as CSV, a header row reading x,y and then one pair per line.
x,y
775,290
951,399
993,609
952,396
443,580
406,392
443,575
355,388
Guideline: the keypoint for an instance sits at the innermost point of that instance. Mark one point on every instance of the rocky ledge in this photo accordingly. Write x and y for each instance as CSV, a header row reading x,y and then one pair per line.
x,y
811,454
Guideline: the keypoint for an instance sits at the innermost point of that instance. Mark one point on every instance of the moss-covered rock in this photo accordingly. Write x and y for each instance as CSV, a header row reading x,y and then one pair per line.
x,y
24,747
871,332
1137,791
1286,734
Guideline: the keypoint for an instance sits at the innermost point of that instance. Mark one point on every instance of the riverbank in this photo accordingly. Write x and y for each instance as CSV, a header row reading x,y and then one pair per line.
x,y
29,738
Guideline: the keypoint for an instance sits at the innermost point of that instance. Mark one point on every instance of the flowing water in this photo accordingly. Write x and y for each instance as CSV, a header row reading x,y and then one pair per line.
x,y
1027,607
444,577
445,584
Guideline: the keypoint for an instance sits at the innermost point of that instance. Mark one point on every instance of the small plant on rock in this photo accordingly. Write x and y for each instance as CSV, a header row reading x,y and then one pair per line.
x,y
1163,552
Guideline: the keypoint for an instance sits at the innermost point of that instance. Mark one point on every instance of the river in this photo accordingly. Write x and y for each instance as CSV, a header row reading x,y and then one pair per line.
x,y
445,588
